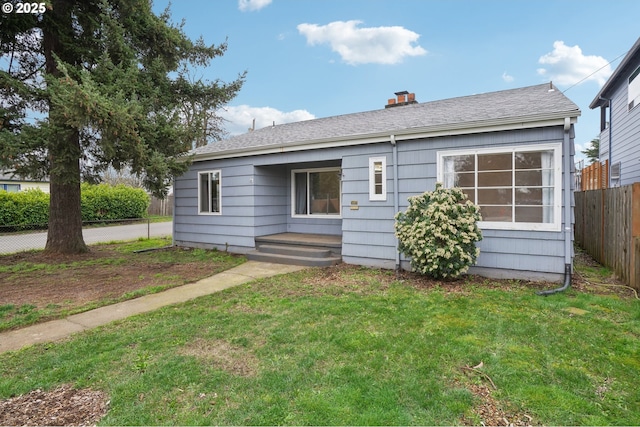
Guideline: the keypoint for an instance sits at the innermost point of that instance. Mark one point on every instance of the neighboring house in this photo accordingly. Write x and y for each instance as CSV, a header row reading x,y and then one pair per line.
x,y
13,183
347,176
619,103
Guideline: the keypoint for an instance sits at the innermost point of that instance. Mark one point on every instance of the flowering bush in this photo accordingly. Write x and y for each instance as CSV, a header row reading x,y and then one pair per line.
x,y
438,231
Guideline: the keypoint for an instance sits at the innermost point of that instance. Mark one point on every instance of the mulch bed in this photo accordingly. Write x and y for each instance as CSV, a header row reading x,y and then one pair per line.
x,y
64,406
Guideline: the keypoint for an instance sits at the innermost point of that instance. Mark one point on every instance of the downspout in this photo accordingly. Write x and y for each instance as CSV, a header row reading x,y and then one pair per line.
x,y
566,149
396,195
610,135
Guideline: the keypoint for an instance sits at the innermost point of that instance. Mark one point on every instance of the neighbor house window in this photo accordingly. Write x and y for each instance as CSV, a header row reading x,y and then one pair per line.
x,y
377,178
634,89
316,192
209,192
515,188
11,188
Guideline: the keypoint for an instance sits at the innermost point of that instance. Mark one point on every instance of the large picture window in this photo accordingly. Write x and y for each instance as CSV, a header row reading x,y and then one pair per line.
x,y
515,188
209,192
316,192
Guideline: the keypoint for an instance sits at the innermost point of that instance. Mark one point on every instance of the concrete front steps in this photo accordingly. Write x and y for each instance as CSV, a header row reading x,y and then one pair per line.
x,y
308,250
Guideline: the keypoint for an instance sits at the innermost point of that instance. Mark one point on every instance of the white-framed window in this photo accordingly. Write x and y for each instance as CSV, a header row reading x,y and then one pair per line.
x,y
634,89
378,178
316,192
209,195
516,188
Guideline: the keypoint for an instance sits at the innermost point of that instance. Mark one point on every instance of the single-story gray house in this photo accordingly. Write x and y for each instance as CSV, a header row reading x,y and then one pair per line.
x,y
338,181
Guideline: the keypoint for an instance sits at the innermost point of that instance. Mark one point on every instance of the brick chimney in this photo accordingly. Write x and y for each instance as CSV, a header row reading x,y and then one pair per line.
x,y
402,98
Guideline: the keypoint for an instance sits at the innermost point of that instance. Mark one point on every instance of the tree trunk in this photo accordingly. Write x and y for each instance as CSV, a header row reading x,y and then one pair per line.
x,y
65,215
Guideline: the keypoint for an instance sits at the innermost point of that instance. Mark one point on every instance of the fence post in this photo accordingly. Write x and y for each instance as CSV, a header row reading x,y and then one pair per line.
x,y
148,228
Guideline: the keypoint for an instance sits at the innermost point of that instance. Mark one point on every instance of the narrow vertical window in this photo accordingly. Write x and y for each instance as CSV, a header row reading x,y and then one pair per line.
x,y
378,178
634,89
209,192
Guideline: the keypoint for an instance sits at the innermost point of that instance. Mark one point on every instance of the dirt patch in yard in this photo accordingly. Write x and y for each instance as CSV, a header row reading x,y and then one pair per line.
x,y
68,282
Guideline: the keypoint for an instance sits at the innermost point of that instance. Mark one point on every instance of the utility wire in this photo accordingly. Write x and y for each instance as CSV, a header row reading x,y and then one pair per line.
x,y
596,71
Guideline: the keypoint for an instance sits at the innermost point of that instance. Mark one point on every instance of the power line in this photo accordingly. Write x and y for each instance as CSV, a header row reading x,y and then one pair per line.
x,y
596,71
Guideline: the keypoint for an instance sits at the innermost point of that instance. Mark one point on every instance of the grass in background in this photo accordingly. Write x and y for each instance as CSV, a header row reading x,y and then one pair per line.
x,y
160,218
354,346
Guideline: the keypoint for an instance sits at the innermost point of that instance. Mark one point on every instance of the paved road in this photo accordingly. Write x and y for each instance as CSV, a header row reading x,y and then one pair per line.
x,y
25,242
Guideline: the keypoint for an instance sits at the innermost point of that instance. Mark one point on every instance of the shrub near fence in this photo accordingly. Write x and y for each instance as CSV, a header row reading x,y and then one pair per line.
x,y
99,202
607,226
105,202
24,207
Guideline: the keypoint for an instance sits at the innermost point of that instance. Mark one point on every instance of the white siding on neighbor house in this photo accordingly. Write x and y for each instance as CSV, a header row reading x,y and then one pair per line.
x,y
625,132
28,185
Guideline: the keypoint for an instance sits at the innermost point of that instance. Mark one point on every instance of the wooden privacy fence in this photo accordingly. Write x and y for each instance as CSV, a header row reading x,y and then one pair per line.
x,y
607,226
162,207
595,176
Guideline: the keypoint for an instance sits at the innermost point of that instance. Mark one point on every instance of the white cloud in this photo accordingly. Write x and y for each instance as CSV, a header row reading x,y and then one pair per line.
x,y
240,118
507,78
378,45
567,65
252,5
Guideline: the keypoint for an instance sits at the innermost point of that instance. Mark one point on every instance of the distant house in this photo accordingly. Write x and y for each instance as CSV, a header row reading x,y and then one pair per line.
x,y
619,103
13,183
342,179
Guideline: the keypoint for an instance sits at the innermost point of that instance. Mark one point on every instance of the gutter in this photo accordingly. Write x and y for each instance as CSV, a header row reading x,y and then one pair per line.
x,y
396,192
566,149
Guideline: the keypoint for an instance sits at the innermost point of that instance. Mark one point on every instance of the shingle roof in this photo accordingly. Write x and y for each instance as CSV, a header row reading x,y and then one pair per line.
x,y
528,104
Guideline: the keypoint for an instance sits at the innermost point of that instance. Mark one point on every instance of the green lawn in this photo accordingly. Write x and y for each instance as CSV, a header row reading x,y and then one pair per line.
x,y
355,346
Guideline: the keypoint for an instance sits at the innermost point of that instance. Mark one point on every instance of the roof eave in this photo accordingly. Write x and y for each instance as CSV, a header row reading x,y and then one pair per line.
x,y
601,98
465,128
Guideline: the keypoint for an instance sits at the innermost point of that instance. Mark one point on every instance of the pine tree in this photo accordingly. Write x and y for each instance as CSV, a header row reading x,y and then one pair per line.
x,y
593,151
93,84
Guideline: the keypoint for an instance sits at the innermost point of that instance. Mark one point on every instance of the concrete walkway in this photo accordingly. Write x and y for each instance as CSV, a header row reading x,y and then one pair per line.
x,y
63,328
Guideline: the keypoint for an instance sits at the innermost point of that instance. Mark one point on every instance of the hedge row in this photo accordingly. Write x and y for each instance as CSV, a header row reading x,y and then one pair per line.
x,y
98,202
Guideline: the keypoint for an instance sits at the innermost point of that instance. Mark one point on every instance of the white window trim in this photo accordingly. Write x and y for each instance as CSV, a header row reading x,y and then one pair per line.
x,y
557,179
293,193
219,172
372,180
633,90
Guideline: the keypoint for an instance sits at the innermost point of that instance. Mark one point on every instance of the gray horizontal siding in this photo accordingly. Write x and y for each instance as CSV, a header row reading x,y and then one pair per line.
x,y
257,201
232,228
500,249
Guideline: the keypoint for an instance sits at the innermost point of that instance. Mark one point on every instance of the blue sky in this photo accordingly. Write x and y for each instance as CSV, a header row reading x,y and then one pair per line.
x,y
319,58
